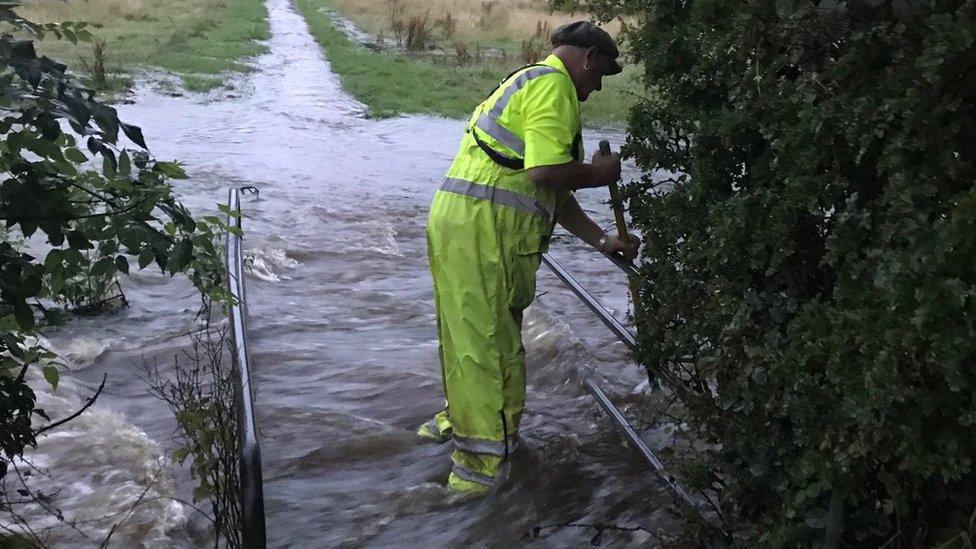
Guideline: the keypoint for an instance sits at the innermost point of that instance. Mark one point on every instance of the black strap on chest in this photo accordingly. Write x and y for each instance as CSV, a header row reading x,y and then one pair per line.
x,y
518,163
507,161
497,157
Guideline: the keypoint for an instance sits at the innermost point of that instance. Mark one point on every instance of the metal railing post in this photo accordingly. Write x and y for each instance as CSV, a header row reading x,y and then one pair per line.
x,y
253,532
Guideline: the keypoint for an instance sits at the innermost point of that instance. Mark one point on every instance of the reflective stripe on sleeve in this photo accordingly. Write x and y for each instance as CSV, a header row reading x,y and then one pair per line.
x,y
512,199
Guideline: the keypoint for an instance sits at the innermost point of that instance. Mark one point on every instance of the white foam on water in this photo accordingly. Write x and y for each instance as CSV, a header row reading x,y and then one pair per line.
x,y
82,351
384,243
642,388
424,498
95,469
556,353
266,264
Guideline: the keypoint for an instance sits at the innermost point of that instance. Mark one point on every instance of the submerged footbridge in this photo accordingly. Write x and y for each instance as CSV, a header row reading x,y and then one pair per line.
x,y
336,331
251,481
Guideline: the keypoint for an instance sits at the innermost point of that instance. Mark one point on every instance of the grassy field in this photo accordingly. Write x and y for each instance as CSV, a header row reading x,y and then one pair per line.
x,y
487,23
200,40
391,83
203,41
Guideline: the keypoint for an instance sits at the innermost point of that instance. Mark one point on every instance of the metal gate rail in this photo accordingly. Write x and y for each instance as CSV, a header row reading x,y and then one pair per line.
x,y
589,381
252,490
622,333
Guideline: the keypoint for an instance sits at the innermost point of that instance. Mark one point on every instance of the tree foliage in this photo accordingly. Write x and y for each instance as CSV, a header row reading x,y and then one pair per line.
x,y
811,265
72,188
200,393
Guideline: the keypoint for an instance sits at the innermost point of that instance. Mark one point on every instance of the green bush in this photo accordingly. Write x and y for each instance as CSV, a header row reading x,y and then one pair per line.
x,y
811,266
81,184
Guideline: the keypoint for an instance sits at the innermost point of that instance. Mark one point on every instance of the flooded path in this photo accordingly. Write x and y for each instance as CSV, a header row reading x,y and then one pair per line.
x,y
342,328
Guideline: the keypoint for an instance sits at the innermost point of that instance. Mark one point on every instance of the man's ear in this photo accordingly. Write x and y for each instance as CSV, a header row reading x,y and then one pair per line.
x,y
589,57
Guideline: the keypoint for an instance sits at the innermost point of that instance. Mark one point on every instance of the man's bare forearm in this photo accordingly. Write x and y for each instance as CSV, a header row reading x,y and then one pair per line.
x,y
574,219
569,176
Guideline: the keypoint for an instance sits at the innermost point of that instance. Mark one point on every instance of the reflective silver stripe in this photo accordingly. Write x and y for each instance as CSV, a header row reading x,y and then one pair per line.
x,y
472,476
433,429
488,122
512,199
520,81
488,447
501,134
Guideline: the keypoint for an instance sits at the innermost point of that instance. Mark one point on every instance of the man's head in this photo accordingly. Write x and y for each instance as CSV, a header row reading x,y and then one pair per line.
x,y
588,53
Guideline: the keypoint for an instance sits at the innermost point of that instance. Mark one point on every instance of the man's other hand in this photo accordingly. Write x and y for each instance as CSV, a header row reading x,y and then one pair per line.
x,y
628,249
608,166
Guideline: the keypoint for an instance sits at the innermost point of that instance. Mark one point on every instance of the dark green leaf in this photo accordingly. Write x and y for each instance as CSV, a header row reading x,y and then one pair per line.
x,y
104,266
49,127
108,120
124,167
52,376
23,314
134,133
108,163
145,257
78,240
170,169
75,155
57,282
182,254
53,261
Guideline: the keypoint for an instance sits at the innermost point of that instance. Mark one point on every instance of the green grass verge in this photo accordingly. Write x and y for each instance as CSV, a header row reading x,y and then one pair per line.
x,y
219,43
197,42
391,84
397,84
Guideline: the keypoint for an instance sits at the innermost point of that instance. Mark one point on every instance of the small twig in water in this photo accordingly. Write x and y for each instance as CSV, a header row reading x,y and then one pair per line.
x,y
87,405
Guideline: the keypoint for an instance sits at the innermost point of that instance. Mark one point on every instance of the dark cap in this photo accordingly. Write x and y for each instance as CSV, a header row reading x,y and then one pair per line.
x,y
584,34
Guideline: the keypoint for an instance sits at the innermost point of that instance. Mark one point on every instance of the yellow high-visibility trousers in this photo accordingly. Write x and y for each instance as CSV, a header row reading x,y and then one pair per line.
x,y
480,291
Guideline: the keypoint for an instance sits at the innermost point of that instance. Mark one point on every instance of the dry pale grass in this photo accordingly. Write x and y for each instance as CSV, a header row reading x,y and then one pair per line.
x,y
108,12
182,36
481,22
133,30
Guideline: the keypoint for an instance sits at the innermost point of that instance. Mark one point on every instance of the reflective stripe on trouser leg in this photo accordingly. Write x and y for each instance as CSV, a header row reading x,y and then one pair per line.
x,y
468,473
481,344
486,447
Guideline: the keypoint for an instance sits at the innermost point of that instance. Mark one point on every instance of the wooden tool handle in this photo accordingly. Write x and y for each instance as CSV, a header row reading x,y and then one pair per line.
x,y
615,203
618,213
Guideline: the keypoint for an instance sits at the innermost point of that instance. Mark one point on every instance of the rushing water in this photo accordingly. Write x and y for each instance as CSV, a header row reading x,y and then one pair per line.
x,y
343,338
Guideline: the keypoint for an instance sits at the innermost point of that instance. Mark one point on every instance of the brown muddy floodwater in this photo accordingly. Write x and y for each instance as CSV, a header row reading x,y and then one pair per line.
x,y
343,339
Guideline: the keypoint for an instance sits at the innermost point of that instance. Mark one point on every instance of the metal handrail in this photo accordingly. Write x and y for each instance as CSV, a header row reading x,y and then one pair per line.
x,y
252,488
626,266
603,400
622,333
